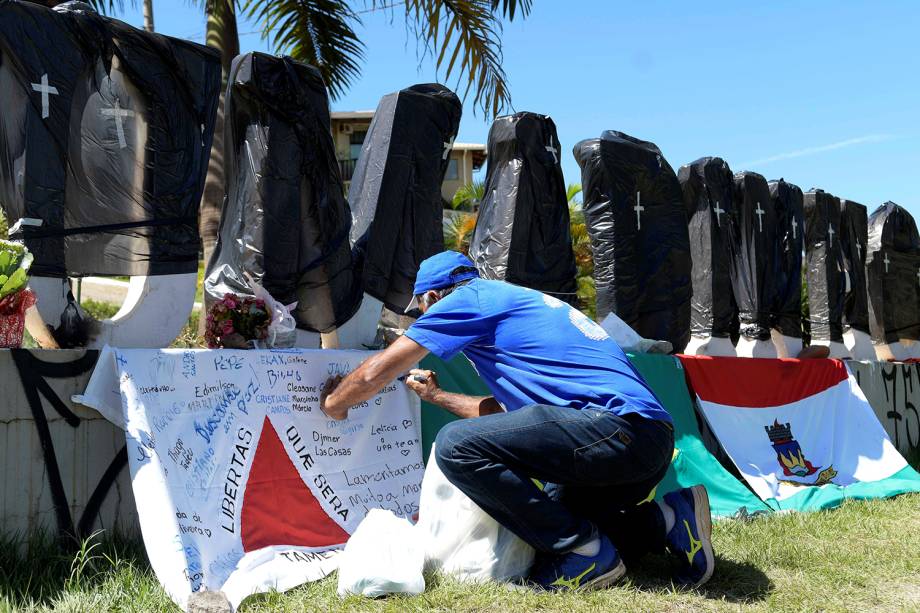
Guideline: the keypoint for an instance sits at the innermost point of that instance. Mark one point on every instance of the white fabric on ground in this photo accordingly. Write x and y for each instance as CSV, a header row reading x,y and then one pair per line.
x,y
461,539
383,556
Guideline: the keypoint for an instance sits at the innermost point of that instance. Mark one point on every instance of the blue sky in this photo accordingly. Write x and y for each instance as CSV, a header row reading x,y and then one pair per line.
x,y
825,94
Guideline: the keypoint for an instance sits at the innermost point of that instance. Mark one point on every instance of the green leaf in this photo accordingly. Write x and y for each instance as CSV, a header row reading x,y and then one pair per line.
x,y
318,32
16,282
463,36
510,7
6,259
469,196
470,49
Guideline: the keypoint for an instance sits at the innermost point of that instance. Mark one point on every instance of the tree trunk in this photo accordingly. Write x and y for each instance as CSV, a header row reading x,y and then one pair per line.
x,y
148,15
221,34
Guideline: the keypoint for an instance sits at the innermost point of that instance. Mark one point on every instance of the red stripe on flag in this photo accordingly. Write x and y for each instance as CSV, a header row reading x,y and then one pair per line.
x,y
758,382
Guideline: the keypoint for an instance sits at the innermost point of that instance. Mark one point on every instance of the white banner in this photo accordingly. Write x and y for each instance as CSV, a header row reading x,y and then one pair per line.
x,y
242,484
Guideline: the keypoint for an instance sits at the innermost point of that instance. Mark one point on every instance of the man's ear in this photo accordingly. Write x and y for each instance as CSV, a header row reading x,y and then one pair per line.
x,y
431,296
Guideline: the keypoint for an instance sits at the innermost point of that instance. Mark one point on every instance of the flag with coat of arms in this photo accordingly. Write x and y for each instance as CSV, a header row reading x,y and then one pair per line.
x,y
800,432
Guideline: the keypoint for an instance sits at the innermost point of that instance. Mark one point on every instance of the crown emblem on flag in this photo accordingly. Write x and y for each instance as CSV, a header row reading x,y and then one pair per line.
x,y
779,432
789,453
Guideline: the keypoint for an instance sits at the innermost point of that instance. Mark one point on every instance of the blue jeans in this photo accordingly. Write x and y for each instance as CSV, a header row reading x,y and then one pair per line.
x,y
597,468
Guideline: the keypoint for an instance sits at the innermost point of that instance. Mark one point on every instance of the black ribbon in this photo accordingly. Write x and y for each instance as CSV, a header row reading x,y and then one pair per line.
x,y
32,373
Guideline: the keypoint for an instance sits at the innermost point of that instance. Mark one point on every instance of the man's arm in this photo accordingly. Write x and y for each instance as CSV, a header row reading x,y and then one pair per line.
x,y
370,377
460,405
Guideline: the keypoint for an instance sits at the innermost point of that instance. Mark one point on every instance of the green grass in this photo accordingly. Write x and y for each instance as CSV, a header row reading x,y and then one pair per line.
x,y
99,310
864,556
187,338
199,295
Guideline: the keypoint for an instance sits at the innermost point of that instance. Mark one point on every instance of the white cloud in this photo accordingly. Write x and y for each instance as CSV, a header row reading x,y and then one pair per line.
x,y
861,140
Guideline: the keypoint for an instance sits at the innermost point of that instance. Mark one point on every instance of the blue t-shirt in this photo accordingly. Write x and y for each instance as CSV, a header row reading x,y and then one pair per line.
x,y
531,348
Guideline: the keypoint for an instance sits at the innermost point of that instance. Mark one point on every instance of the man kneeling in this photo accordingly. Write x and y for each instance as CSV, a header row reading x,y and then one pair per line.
x,y
568,450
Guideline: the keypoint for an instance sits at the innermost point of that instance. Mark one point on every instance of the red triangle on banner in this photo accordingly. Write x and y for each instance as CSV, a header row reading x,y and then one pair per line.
x,y
278,507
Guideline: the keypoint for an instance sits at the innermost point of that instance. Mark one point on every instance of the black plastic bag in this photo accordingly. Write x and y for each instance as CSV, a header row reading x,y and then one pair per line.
x,y
523,232
824,266
854,232
104,141
285,220
788,209
638,227
708,185
73,330
396,189
756,262
893,271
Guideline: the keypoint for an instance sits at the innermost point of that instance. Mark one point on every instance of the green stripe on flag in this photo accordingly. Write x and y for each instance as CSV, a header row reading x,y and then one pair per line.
x,y
456,376
829,496
692,463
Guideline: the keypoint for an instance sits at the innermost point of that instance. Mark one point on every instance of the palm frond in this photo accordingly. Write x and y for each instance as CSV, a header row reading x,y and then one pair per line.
x,y
465,36
571,194
458,232
469,196
318,32
509,8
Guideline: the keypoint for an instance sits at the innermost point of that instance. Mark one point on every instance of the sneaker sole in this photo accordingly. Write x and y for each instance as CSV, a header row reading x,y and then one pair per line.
x,y
598,583
704,525
605,580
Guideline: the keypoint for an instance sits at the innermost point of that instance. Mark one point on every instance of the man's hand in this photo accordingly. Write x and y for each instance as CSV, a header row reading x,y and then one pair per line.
x,y
328,388
339,395
429,391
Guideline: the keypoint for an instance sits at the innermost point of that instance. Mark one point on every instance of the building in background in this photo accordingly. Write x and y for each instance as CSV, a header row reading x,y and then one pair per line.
x,y
350,128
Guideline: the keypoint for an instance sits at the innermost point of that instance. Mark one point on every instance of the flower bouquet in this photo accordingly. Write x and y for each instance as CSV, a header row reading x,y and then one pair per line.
x,y
15,298
237,323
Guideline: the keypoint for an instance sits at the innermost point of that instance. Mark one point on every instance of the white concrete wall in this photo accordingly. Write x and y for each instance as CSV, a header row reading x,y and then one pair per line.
x,y
83,453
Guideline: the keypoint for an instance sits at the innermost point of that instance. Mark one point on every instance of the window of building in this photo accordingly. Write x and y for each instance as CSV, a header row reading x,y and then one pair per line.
x,y
355,141
453,170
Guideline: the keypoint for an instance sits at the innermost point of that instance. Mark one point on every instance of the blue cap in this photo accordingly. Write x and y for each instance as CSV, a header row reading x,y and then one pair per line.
x,y
437,272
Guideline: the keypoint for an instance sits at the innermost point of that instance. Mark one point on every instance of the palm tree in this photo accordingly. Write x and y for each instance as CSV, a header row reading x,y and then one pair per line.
x,y
468,196
458,232
463,35
148,15
221,34
581,246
